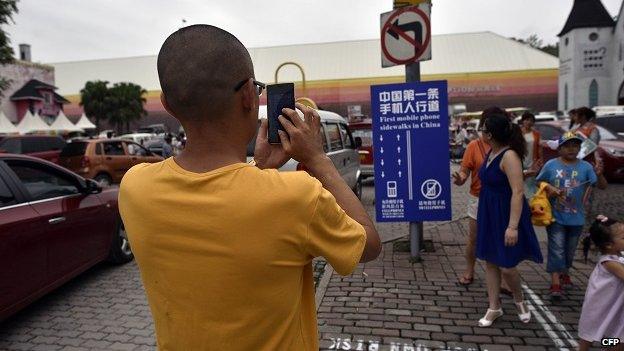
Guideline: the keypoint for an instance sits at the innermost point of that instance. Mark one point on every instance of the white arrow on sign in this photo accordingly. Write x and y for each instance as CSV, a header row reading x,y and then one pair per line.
x,y
383,175
381,138
381,150
382,162
399,149
399,162
398,137
399,174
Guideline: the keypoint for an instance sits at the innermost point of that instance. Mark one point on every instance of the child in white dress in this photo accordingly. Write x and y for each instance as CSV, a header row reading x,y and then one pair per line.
x,y
603,308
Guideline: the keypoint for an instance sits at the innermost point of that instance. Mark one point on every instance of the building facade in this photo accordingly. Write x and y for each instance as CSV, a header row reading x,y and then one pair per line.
x,y
591,58
482,69
20,73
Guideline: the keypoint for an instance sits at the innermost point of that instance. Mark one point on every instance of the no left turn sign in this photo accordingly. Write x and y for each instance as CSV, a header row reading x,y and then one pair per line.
x,y
406,35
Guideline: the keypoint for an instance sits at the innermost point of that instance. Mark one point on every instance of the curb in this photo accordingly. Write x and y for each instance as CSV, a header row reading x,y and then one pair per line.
x,y
323,283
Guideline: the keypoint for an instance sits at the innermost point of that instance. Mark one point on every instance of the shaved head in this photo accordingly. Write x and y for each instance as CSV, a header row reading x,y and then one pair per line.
x,y
198,68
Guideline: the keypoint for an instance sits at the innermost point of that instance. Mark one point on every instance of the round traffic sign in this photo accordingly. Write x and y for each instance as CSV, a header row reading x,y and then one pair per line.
x,y
405,48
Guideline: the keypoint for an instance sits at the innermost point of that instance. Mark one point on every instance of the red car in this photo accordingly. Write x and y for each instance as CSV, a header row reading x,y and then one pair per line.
x,y
54,225
46,147
610,149
364,131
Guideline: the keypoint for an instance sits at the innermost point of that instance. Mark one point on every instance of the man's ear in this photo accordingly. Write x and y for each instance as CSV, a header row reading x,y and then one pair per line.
x,y
249,95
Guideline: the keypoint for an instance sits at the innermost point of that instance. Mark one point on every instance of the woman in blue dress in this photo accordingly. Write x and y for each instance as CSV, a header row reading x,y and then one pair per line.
x,y
505,235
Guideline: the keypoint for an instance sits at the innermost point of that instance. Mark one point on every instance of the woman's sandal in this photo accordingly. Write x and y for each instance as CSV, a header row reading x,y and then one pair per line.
x,y
525,313
492,314
465,281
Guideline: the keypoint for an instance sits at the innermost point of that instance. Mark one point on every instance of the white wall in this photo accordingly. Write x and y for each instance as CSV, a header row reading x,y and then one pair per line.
x,y
582,61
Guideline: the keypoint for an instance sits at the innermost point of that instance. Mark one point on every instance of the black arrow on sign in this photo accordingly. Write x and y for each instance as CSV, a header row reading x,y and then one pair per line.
x,y
415,27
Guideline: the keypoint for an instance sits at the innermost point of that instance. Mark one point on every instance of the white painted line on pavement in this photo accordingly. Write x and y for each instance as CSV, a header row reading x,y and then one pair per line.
x,y
553,320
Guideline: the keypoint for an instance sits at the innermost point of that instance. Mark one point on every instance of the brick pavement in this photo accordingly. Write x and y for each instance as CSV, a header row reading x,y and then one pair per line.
x,y
395,301
392,304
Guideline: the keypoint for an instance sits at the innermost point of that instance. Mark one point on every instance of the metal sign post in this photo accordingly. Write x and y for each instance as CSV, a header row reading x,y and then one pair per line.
x,y
412,74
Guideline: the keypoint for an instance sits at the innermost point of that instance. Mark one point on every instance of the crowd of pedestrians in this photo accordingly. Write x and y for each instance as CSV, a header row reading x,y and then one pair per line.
x,y
506,167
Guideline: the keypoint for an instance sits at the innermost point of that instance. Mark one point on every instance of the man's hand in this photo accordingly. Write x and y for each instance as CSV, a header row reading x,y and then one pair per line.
x,y
459,178
303,141
267,155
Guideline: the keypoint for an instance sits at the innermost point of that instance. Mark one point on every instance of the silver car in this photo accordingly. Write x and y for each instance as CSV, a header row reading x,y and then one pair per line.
x,y
338,143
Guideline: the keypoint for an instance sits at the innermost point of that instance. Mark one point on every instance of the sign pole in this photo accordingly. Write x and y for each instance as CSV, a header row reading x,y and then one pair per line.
x,y
412,74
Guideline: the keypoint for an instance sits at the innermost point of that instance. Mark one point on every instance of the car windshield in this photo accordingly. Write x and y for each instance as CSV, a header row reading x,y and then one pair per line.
x,y
606,134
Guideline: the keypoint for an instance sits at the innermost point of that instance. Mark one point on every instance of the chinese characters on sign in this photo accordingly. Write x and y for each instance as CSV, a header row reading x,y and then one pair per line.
x,y
410,137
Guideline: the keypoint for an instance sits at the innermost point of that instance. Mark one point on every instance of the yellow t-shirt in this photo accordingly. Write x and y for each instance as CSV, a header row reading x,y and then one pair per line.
x,y
225,256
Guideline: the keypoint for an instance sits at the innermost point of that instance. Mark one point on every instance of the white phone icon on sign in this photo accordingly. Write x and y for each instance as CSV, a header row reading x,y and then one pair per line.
x,y
392,189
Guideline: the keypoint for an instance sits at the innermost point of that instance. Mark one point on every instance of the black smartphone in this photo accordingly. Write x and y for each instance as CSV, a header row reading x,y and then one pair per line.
x,y
279,96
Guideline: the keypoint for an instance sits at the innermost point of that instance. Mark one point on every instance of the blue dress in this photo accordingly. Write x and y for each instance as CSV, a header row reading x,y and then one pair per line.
x,y
493,219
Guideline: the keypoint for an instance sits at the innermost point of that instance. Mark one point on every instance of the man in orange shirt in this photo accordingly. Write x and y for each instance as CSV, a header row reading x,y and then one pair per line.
x,y
224,247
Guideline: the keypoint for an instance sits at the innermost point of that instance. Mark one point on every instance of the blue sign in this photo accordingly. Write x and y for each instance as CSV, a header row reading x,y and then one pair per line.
x,y
411,152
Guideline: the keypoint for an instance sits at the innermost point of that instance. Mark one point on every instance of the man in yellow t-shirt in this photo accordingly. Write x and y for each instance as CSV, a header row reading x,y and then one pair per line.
x,y
224,247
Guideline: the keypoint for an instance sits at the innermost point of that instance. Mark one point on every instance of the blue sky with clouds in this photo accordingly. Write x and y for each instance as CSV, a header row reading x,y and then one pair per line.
x,y
72,30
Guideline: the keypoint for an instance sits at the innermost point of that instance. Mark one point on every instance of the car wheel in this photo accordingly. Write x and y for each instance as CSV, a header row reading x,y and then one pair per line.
x,y
358,188
120,251
103,179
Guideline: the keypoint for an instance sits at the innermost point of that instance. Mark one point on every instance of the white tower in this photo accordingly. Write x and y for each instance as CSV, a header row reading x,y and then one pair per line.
x,y
587,57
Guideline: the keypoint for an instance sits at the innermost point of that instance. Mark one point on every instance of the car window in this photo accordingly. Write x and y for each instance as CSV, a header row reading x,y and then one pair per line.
x,y
12,145
6,196
548,132
98,149
345,135
57,143
113,148
324,137
333,133
135,149
76,148
365,134
42,182
31,145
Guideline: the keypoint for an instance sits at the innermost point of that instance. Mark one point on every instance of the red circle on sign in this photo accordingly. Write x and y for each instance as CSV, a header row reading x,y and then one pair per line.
x,y
424,45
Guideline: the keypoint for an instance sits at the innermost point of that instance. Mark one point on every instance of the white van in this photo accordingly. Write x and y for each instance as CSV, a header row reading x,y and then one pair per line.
x,y
338,143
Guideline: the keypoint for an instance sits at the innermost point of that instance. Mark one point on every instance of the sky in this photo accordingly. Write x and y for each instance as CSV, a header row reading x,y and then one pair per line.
x,y
76,30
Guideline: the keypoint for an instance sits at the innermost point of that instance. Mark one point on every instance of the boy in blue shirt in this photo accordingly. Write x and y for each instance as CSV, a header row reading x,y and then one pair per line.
x,y
569,182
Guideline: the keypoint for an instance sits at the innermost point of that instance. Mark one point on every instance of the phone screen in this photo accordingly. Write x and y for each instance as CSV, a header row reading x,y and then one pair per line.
x,y
279,96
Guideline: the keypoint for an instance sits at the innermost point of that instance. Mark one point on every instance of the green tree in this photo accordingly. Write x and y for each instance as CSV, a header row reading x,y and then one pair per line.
x,y
7,8
127,101
95,99
535,42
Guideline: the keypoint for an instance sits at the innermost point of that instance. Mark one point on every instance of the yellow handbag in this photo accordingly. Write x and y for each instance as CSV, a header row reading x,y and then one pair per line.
x,y
541,211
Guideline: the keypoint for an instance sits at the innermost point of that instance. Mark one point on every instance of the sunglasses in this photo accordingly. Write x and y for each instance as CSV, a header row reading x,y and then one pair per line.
x,y
259,86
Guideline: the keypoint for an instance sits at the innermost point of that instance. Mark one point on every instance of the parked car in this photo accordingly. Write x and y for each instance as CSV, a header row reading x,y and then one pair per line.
x,y
610,149
614,123
139,138
158,129
46,147
155,145
363,134
338,144
54,225
104,160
